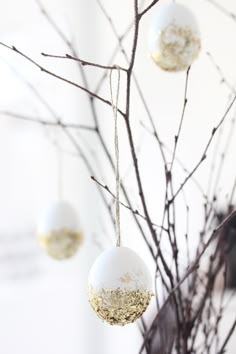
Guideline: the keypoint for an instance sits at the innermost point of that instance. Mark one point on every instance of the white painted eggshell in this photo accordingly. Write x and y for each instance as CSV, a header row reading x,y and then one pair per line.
x,y
174,37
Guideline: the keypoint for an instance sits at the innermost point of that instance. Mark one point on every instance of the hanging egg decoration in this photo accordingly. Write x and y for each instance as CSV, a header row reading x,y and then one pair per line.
x,y
119,286
58,231
174,37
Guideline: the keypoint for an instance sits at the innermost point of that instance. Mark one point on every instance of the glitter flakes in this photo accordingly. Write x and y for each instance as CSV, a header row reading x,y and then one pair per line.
x,y
61,244
119,307
176,48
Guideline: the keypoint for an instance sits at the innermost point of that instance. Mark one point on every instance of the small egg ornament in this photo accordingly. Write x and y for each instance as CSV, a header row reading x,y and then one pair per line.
x,y
174,37
58,231
119,286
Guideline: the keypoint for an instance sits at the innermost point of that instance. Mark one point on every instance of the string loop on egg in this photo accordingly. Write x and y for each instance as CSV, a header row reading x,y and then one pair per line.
x,y
116,142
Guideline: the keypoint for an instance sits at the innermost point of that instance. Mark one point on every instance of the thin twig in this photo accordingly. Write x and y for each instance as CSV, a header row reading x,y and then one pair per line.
x,y
84,62
223,9
153,3
206,149
220,73
222,350
136,212
182,118
46,122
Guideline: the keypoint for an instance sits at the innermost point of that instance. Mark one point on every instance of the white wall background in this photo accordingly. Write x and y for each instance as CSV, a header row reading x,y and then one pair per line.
x,y
43,304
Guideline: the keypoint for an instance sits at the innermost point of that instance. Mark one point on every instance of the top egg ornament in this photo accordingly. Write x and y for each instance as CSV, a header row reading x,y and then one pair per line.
x,y
58,231
174,38
119,286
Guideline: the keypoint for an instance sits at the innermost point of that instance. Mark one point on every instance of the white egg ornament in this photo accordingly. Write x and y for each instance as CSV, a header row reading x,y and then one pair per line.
x,y
119,286
174,37
58,231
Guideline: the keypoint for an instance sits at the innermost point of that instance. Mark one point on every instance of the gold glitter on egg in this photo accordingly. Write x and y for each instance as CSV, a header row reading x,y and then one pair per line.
x,y
120,306
177,48
61,244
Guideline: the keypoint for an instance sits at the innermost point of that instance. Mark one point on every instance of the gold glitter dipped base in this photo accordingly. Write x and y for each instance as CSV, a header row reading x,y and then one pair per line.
x,y
119,307
61,244
177,48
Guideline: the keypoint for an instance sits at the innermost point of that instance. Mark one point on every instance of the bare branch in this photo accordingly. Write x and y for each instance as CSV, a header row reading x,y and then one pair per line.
x,y
84,62
206,148
46,122
220,73
136,212
223,9
153,3
181,120
222,350
94,95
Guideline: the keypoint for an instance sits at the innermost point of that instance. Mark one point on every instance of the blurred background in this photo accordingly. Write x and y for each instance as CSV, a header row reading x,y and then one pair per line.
x,y
43,303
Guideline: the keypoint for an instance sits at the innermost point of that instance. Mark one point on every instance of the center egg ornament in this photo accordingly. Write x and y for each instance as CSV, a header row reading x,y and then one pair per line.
x,y
58,231
119,286
174,37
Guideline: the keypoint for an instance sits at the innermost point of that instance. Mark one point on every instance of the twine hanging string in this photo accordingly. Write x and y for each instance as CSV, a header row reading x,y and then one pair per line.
x,y
114,104
59,166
